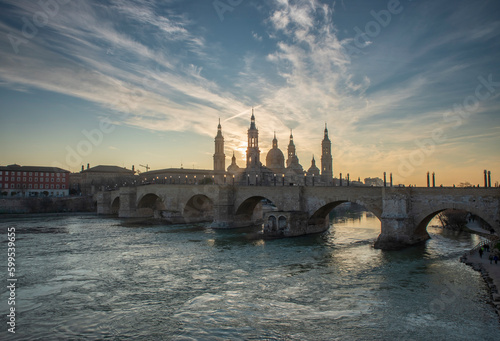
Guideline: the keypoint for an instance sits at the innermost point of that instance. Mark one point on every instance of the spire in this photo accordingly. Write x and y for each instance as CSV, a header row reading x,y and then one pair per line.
x,y
252,121
275,141
326,134
313,162
219,130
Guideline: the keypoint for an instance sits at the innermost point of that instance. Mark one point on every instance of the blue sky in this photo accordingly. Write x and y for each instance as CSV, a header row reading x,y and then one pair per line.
x,y
404,86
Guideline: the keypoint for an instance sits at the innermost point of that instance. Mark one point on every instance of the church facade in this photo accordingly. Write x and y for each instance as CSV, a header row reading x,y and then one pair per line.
x,y
276,171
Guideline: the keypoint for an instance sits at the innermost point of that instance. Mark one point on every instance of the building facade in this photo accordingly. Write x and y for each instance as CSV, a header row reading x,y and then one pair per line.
x,y
33,181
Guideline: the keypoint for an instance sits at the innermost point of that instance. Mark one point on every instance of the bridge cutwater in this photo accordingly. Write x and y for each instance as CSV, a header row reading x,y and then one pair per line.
x,y
404,212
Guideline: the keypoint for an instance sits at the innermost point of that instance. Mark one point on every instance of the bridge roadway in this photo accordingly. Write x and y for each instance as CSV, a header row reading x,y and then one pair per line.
x,y
404,212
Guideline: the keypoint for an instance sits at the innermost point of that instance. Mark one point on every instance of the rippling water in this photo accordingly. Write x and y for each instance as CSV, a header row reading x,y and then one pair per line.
x,y
93,278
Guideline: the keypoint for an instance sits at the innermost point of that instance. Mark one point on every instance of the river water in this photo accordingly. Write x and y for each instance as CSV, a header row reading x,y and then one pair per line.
x,y
87,277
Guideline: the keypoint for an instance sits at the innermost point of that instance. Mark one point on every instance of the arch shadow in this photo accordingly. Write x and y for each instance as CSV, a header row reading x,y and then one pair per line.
x,y
115,206
251,210
199,208
149,204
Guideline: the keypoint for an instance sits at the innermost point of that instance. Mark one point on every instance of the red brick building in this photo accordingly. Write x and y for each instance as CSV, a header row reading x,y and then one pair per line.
x,y
33,181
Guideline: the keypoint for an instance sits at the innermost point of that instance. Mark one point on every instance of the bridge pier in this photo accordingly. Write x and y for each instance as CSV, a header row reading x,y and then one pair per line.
x,y
128,198
286,224
104,203
397,225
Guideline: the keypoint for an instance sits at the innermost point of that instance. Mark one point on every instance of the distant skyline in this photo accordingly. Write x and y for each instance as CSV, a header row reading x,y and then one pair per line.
x,y
406,87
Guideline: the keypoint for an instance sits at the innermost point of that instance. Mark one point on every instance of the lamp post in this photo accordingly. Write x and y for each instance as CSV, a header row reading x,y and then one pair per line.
x,y
248,179
256,179
274,180
347,179
283,176
224,179
195,180
313,179
305,179
233,179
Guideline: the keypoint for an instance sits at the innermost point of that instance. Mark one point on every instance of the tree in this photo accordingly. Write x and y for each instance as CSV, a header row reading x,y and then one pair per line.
x,y
454,219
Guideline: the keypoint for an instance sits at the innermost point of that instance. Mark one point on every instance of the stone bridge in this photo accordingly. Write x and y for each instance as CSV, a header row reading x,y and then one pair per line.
x,y
404,212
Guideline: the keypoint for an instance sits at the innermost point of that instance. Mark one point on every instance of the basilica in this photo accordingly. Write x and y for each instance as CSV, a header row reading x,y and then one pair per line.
x,y
275,172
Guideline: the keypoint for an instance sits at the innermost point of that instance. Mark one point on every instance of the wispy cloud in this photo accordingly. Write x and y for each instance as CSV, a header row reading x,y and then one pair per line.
x,y
153,67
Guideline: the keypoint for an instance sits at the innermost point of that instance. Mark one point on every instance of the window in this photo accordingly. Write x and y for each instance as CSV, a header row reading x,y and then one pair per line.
x,y
30,186
0,185
24,173
52,179
36,173
36,186
30,179
18,173
36,179
24,185
12,179
63,186
0,178
57,186
31,173
64,180
18,178
6,172
46,179
58,174
51,186
1,172
51,174
41,173
11,185
24,178
18,185
58,180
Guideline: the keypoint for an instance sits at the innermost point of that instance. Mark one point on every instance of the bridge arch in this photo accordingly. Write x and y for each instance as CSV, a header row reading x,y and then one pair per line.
x,y
199,208
246,212
320,216
148,204
424,218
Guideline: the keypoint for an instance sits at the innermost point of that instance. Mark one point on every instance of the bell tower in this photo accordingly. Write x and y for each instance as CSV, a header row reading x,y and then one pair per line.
x,y
326,159
253,152
219,156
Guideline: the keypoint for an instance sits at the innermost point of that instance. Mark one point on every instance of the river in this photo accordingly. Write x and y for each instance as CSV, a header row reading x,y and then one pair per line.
x,y
88,277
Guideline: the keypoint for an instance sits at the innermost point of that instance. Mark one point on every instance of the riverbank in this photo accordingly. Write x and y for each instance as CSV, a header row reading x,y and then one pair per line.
x,y
489,272
44,215
47,205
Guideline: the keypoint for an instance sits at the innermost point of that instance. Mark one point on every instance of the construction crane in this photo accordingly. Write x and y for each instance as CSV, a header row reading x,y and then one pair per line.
x,y
147,167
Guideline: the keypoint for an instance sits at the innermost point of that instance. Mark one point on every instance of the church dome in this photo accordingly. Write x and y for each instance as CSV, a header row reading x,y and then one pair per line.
x,y
275,159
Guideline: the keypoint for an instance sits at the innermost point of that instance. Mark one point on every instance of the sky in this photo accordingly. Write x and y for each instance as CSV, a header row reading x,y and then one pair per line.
x,y
405,87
